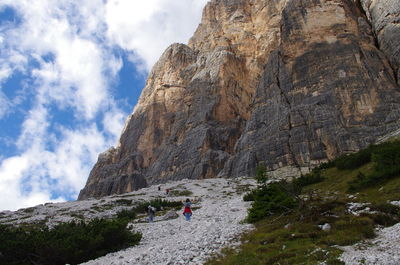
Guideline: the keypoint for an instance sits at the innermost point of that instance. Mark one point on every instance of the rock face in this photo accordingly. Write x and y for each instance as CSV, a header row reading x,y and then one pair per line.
x,y
385,20
288,82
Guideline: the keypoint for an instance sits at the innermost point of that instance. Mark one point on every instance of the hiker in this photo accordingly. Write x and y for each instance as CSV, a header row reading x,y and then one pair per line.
x,y
159,188
167,191
187,212
151,211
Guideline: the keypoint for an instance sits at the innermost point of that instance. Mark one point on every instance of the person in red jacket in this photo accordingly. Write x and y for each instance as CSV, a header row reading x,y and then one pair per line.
x,y
187,212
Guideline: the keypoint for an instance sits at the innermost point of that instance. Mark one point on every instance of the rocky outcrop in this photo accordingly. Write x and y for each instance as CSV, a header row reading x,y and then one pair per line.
x,y
325,90
385,20
290,82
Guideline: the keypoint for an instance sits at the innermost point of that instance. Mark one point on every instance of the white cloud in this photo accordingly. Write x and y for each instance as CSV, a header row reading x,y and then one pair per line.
x,y
5,72
4,105
70,50
148,27
34,129
71,160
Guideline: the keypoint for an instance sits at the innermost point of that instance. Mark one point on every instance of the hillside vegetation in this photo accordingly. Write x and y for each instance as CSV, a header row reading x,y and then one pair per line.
x,y
76,241
307,220
67,243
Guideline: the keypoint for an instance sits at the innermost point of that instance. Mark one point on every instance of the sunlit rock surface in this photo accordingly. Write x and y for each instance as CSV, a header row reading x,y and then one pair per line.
x,y
288,82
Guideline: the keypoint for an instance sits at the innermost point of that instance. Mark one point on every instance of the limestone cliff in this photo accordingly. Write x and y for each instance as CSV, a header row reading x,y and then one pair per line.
x,y
289,82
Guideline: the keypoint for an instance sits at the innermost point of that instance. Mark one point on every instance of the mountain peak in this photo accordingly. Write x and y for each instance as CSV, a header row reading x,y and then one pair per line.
x,y
291,83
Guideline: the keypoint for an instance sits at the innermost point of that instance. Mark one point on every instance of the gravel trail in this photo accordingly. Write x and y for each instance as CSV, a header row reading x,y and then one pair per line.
x,y
216,223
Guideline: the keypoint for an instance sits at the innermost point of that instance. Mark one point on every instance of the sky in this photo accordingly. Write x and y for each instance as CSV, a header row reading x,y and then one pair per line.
x,y
71,71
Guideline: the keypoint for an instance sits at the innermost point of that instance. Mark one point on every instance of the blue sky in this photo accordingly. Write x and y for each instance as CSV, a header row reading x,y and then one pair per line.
x,y
70,73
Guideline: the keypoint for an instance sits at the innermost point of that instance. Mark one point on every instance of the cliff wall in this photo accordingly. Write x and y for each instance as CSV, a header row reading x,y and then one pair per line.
x,y
288,82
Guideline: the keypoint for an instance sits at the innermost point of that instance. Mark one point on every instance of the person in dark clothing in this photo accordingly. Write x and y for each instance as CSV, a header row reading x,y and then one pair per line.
x,y
151,212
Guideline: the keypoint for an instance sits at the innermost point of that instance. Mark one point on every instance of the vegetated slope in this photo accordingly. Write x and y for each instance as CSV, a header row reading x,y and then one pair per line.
x,y
339,207
66,243
291,83
345,206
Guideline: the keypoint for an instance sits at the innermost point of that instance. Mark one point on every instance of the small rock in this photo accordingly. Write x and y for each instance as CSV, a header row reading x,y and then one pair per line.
x,y
169,215
396,203
326,227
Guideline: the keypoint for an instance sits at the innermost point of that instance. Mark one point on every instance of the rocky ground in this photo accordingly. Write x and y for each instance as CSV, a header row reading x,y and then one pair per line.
x,y
216,224
382,250
218,212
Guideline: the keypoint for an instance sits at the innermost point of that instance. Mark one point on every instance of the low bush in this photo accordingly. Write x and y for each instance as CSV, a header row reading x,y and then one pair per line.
x,y
158,204
124,202
274,198
356,160
127,214
385,152
386,208
178,193
349,230
387,156
142,208
386,161
67,243
249,197
382,218
384,214
311,178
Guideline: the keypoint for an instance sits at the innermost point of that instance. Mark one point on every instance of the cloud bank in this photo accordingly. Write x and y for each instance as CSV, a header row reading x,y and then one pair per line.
x,y
66,57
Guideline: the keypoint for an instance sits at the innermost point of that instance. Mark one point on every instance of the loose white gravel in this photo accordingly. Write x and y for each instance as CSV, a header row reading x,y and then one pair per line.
x,y
215,225
217,221
382,250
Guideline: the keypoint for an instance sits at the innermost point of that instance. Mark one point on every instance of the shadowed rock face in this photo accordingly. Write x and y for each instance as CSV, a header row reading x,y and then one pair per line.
x,y
385,20
292,83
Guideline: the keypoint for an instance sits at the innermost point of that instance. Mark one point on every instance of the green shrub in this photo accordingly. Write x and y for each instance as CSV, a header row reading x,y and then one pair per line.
x,y
335,261
272,199
353,161
177,193
127,214
311,178
124,202
386,208
387,156
386,159
385,214
158,204
261,174
349,230
67,243
374,178
249,197
382,219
